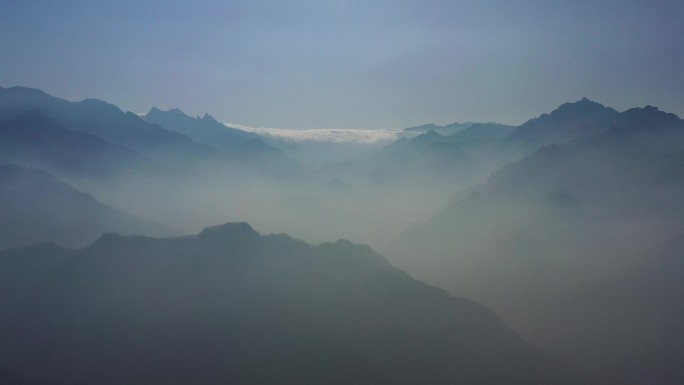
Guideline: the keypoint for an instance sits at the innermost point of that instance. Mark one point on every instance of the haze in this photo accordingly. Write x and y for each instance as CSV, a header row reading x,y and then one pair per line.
x,y
388,192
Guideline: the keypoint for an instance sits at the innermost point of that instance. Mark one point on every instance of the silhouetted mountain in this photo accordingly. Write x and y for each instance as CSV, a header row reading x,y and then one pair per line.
x,y
567,122
203,130
655,129
109,123
32,139
246,147
232,306
37,207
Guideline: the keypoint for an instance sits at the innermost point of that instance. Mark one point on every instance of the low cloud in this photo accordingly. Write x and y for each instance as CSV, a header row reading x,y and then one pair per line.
x,y
327,135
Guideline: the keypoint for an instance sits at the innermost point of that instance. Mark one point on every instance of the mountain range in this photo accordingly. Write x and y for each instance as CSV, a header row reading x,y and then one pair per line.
x,y
246,147
568,226
588,210
167,146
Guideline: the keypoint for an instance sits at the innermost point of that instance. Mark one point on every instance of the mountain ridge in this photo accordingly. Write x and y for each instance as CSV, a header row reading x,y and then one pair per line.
x,y
310,313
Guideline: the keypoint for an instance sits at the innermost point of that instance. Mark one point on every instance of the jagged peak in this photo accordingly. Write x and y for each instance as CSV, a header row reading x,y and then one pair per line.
x,y
649,111
209,118
570,111
648,108
584,103
174,111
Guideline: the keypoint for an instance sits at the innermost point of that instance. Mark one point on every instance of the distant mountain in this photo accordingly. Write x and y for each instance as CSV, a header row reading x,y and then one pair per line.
x,y
424,158
481,132
38,207
204,130
32,139
246,147
562,197
440,162
108,122
541,226
567,122
445,130
232,306
655,129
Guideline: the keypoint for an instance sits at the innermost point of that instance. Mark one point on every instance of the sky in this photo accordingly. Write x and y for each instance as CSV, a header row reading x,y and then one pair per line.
x,y
349,64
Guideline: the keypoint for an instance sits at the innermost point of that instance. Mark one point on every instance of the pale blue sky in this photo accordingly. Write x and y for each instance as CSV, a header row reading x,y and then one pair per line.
x,y
348,63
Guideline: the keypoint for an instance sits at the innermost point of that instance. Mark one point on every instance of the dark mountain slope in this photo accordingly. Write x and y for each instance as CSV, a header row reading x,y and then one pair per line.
x,y
37,207
232,306
655,129
203,130
247,147
109,123
32,139
567,122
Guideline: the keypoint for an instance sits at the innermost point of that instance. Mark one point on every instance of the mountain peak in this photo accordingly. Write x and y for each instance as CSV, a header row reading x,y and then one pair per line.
x,y
175,112
650,112
433,133
584,104
209,118
581,110
115,240
26,90
229,230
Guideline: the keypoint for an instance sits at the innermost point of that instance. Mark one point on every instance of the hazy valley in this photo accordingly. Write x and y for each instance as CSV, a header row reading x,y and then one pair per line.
x,y
568,227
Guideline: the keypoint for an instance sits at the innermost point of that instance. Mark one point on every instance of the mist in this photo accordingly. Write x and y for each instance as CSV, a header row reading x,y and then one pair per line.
x,y
563,233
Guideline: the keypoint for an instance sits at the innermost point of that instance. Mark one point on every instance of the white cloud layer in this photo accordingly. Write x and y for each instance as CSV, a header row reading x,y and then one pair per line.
x,y
327,135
